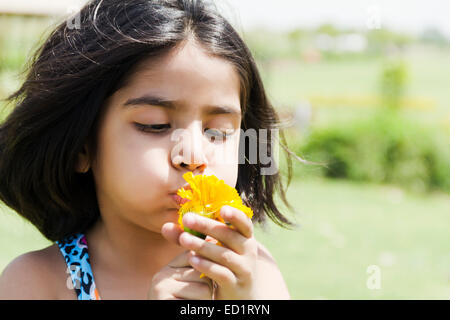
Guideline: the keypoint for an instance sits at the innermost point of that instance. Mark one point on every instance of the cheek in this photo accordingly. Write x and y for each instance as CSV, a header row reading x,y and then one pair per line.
x,y
129,165
224,160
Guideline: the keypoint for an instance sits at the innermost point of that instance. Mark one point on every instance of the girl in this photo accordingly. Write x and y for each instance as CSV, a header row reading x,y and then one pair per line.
x,y
88,156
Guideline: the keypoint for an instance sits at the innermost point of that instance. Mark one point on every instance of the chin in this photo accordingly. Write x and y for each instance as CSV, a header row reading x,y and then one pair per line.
x,y
155,221
170,215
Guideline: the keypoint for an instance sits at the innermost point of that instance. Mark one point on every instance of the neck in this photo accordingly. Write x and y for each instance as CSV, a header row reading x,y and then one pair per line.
x,y
118,247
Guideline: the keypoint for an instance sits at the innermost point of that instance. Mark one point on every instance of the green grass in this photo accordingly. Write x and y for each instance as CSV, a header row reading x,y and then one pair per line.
x,y
17,236
344,228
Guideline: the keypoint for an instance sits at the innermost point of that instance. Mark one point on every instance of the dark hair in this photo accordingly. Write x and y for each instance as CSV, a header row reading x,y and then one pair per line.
x,y
57,107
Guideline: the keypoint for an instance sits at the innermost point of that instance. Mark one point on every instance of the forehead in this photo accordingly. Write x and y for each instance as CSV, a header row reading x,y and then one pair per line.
x,y
187,74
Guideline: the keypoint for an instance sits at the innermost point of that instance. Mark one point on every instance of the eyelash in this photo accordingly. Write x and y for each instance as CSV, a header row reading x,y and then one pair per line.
x,y
154,128
162,128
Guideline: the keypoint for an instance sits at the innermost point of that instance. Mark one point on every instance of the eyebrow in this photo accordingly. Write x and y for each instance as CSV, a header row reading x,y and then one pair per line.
x,y
173,105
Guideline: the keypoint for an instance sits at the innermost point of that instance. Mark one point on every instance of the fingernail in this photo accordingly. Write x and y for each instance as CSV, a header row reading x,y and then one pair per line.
x,y
226,214
187,238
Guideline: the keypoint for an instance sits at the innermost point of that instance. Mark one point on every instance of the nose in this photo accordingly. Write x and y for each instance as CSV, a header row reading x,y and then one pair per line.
x,y
188,152
194,167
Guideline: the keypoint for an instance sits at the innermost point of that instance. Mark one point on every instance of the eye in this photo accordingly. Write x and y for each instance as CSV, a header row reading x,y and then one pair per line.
x,y
152,128
218,134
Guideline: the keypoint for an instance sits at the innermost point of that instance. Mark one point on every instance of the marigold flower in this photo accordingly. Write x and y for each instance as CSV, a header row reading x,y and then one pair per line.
x,y
208,195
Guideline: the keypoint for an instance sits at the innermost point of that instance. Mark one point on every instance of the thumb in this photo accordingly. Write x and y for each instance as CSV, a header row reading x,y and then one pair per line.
x,y
171,232
181,260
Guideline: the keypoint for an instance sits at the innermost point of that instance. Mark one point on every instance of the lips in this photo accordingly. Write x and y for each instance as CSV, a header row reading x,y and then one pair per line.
x,y
178,200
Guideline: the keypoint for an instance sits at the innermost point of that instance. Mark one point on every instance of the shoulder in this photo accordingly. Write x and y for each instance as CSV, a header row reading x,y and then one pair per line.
x,y
267,269
37,274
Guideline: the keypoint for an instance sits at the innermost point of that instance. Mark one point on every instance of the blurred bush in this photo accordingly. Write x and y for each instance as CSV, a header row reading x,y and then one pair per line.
x,y
393,82
385,148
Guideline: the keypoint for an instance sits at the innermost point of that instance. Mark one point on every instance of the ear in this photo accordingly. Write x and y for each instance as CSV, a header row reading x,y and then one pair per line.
x,y
83,163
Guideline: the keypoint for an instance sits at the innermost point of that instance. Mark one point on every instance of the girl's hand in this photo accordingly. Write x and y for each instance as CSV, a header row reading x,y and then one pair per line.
x,y
178,280
233,265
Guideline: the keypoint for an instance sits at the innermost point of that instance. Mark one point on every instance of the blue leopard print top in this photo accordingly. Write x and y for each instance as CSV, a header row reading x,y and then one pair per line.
x,y
75,251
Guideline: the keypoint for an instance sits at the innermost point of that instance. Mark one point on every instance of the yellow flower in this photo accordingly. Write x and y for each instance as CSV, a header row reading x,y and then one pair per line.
x,y
208,195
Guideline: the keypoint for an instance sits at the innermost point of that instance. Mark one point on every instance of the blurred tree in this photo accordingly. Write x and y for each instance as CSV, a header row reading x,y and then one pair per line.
x,y
434,36
295,38
328,29
392,83
267,46
380,40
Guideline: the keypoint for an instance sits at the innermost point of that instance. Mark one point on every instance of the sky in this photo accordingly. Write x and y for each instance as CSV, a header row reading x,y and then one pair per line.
x,y
411,16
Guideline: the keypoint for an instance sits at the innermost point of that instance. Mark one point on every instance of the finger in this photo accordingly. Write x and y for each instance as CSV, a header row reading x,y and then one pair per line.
x,y
218,230
238,219
171,232
217,254
180,261
220,274
193,291
190,275
210,239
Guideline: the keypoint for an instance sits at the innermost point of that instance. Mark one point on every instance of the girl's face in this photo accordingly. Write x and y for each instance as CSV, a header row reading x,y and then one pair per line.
x,y
188,100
